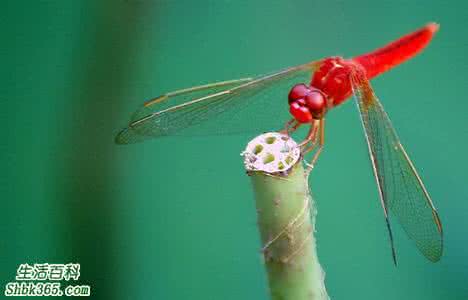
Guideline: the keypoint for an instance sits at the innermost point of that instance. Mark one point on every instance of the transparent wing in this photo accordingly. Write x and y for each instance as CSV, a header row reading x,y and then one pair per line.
x,y
234,106
400,186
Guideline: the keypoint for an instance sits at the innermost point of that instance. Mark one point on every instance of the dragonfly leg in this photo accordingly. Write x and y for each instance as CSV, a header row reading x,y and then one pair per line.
x,y
320,143
291,126
311,135
313,144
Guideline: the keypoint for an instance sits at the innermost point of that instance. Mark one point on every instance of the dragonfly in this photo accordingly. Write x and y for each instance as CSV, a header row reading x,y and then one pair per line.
x,y
312,90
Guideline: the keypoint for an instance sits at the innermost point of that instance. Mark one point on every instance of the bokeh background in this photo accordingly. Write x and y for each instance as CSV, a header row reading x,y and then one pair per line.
x,y
174,218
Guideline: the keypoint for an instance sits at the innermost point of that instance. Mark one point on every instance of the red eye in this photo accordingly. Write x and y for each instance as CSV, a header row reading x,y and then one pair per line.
x,y
300,113
315,102
300,101
298,91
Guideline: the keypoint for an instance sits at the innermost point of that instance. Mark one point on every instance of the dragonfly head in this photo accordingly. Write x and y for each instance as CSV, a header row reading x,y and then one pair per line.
x,y
306,103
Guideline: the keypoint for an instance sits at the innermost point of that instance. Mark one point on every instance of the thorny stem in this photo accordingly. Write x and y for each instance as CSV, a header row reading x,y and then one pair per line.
x,y
286,218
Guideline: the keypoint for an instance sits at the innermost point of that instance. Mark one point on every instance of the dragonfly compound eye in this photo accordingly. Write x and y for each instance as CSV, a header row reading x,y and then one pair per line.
x,y
300,111
306,103
299,91
316,103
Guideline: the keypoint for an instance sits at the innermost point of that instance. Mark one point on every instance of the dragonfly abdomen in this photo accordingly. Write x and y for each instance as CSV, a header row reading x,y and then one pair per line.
x,y
396,52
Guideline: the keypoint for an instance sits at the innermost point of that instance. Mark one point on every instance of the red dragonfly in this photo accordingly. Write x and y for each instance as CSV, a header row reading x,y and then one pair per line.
x,y
312,90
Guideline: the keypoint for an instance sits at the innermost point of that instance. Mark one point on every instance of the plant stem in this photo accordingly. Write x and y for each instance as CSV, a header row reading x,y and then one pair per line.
x,y
286,221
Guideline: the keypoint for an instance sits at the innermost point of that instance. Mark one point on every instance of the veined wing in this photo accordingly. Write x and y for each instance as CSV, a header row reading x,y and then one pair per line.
x,y
228,104
401,189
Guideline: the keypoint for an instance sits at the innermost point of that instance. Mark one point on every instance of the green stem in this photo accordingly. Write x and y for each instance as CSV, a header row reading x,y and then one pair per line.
x,y
286,220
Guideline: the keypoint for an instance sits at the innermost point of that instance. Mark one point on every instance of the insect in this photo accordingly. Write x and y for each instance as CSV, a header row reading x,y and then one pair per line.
x,y
313,89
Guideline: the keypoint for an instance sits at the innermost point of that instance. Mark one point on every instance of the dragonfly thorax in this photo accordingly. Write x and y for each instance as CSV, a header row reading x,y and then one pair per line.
x,y
306,103
333,79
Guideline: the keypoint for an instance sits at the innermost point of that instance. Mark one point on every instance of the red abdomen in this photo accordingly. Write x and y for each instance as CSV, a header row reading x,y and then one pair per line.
x,y
333,76
396,52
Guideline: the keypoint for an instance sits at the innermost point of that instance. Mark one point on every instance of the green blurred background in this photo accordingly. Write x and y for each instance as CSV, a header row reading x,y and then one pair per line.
x,y
174,218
